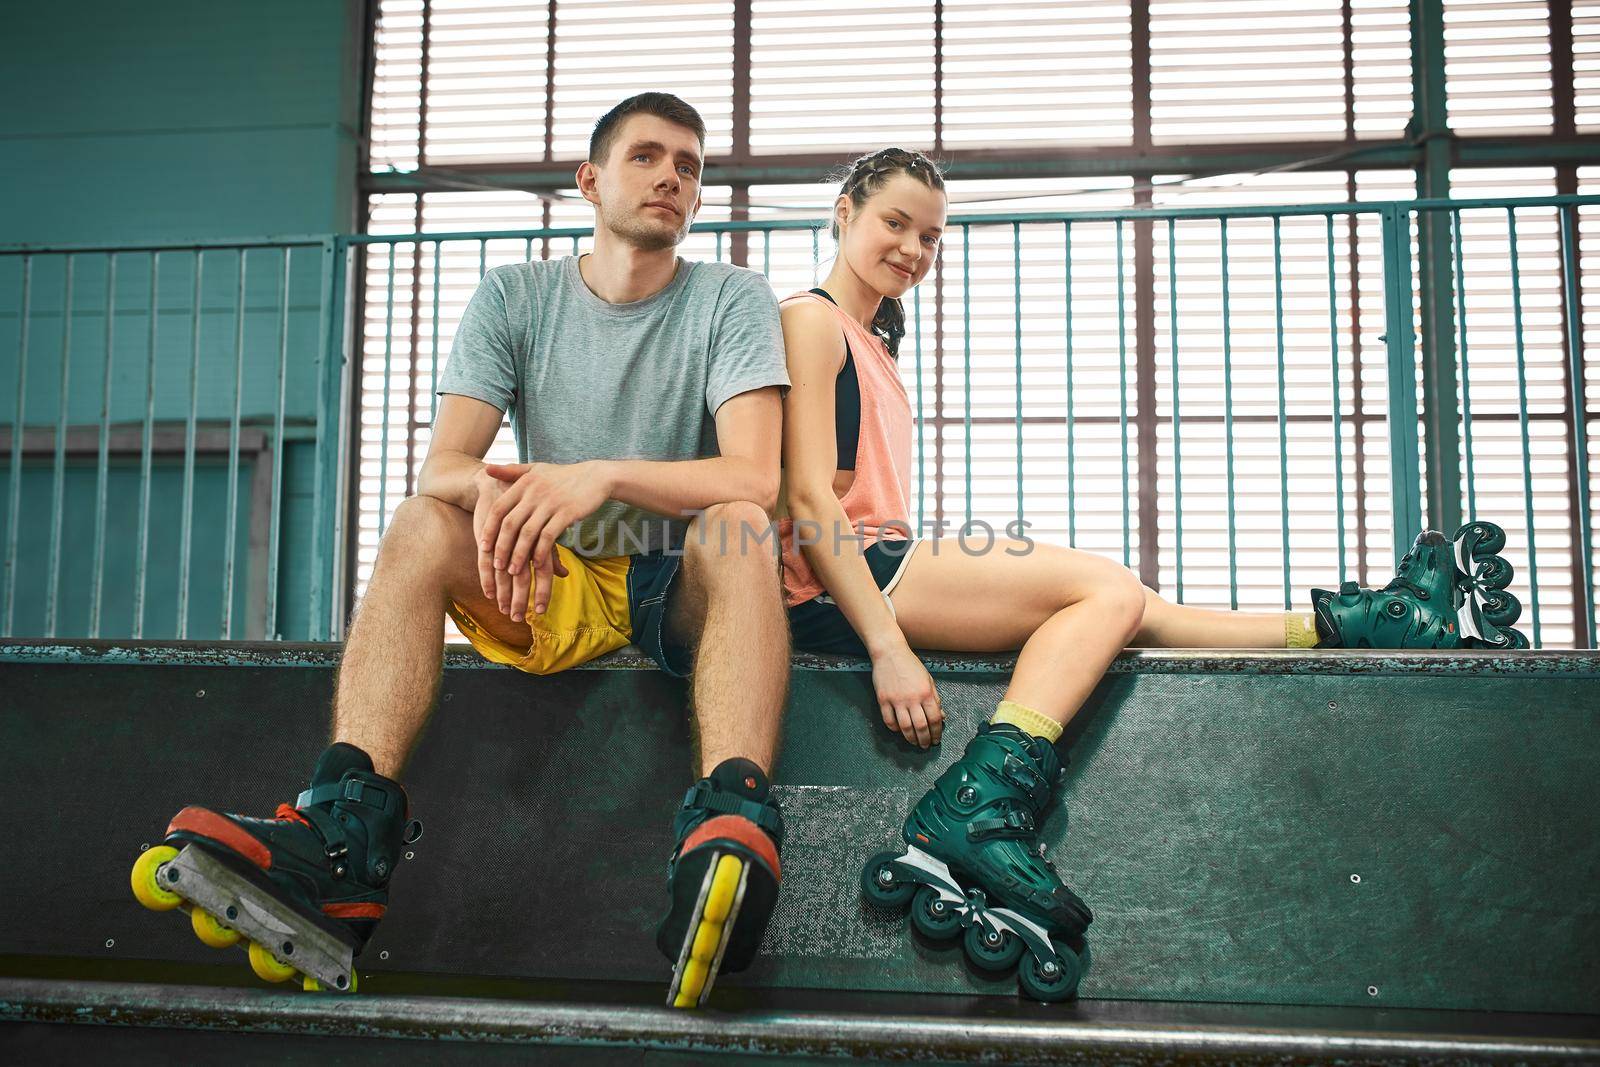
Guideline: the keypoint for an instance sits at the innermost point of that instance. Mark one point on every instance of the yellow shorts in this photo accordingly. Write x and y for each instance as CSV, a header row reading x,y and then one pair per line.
x,y
591,612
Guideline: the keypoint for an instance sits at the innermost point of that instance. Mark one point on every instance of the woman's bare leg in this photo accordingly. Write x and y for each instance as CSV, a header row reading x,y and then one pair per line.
x,y
1169,625
1069,612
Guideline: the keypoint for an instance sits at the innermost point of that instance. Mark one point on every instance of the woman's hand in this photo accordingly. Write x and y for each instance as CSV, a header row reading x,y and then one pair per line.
x,y
906,696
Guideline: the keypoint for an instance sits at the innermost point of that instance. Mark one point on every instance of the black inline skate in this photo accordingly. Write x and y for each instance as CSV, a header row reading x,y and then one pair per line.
x,y
973,866
304,889
722,879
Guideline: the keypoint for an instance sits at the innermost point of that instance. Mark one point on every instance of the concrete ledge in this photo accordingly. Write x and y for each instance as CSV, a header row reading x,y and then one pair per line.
x,y
1581,663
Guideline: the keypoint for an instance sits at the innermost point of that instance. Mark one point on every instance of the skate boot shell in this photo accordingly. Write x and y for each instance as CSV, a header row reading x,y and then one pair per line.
x,y
1445,594
303,890
973,866
722,879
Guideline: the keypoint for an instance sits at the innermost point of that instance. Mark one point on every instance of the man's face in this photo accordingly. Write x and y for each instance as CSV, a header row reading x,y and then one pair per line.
x,y
648,188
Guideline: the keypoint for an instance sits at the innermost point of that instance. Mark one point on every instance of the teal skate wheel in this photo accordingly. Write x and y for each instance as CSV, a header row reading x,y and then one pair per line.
x,y
991,950
880,885
1051,981
934,917
1495,572
1483,538
1501,608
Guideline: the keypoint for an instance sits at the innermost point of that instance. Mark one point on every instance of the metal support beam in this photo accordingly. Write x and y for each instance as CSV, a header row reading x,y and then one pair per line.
x,y
1430,127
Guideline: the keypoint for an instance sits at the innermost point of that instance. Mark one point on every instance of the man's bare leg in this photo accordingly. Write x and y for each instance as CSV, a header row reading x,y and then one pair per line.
x,y
730,609
389,676
724,877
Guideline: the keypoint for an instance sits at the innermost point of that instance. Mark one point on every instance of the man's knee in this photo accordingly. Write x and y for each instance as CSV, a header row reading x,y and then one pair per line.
x,y
733,531
422,530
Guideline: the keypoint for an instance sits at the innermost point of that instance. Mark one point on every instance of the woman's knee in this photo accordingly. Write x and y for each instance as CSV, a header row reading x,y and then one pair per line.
x,y
1121,601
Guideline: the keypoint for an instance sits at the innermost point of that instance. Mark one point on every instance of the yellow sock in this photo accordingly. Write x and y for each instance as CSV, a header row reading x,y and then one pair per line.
x,y
1299,631
1025,718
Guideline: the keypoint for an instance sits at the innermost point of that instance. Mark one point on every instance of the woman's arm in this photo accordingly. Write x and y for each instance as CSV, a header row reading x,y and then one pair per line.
x,y
816,351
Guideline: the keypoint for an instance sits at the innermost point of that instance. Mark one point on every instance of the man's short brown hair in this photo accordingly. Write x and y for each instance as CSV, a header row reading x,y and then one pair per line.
x,y
662,105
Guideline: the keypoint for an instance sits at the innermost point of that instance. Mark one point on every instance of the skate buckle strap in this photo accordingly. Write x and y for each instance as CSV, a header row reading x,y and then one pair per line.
x,y
1015,823
1024,777
351,789
706,798
333,839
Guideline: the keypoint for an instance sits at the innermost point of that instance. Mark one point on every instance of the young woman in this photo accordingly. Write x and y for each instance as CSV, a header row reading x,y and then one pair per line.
x,y
972,861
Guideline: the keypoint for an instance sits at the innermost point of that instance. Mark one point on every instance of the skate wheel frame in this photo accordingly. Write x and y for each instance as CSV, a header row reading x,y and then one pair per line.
x,y
710,925
234,907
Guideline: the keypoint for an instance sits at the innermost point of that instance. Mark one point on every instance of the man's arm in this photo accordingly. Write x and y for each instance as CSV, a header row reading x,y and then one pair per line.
x,y
463,430
749,438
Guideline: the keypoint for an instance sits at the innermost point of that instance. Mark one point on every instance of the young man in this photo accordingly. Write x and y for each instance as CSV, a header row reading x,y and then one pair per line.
x,y
623,353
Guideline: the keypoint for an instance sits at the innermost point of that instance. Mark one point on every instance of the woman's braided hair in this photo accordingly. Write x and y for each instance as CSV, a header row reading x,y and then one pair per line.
x,y
865,177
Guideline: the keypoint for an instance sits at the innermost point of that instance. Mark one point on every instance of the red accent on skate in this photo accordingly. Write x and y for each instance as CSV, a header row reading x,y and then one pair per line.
x,y
288,813
224,831
353,911
740,831
923,838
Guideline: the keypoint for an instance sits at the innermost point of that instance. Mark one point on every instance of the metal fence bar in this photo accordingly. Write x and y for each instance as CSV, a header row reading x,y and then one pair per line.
x,y
146,441
916,313
324,492
230,523
14,510
1466,378
1337,414
1122,398
1405,467
1177,434
1072,504
388,362
1522,420
1227,425
59,470
103,453
1016,289
188,452
966,365
433,367
274,532
1283,420
1580,430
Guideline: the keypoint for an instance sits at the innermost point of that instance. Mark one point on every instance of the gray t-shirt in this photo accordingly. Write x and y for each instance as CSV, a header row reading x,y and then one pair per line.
x,y
584,379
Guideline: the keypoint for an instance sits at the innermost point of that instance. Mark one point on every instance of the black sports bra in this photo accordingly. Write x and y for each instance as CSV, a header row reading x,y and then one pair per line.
x,y
846,404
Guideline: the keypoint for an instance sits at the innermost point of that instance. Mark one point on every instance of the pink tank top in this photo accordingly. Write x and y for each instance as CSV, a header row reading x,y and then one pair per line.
x,y
881,492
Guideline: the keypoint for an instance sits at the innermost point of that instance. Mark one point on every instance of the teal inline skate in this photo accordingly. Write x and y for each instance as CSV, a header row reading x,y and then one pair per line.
x,y
1445,594
973,866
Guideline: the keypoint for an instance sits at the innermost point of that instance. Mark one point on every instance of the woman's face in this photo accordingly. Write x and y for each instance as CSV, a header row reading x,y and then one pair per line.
x,y
890,241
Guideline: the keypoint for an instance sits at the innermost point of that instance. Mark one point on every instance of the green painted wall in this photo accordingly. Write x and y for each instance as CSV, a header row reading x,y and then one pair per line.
x,y
157,124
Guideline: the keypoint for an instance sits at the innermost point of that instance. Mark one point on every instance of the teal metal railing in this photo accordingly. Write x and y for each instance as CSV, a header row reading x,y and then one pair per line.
x,y
158,395
1268,430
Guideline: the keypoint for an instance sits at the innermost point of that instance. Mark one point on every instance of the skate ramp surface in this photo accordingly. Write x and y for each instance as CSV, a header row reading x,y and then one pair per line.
x,y
1368,830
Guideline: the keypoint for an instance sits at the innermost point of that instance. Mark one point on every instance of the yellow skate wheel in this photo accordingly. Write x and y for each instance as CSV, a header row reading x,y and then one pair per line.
x,y
311,985
708,934
146,890
695,973
268,967
724,884
211,930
